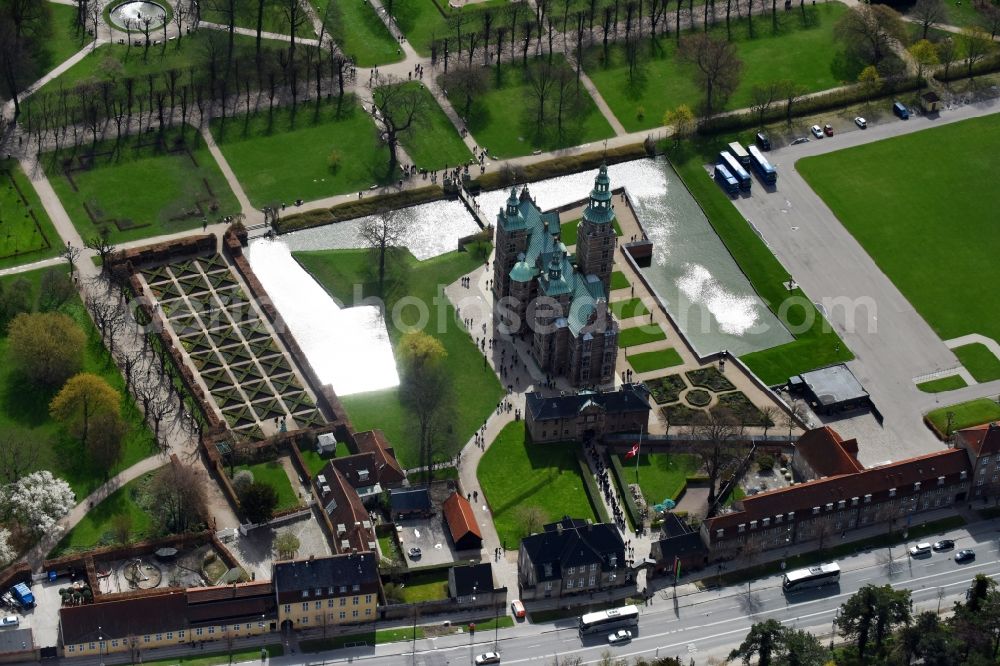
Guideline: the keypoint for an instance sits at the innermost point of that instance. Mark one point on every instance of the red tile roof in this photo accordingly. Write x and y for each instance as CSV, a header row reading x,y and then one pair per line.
x,y
342,504
982,440
388,470
461,521
198,595
827,454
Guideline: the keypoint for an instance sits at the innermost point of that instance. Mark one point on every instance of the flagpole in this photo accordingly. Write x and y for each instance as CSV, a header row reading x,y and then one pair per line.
x,y
637,457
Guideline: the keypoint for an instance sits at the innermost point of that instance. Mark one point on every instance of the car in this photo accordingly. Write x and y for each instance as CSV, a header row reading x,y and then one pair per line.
x,y
414,553
828,129
965,555
861,122
10,621
920,549
801,139
488,658
619,637
517,608
943,544
817,131
762,141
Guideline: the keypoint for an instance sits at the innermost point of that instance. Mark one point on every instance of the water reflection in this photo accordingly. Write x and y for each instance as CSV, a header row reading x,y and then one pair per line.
x,y
348,348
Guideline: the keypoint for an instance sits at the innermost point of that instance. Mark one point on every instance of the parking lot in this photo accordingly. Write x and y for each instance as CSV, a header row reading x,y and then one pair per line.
x,y
430,536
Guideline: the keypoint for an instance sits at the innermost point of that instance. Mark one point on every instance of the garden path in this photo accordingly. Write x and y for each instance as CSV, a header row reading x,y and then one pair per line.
x,y
602,105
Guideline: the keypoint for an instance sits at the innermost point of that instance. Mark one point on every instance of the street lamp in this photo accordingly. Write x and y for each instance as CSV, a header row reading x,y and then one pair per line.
x,y
100,644
472,627
833,627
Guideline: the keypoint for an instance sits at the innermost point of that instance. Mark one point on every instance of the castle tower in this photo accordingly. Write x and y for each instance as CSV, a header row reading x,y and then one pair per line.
x,y
511,239
596,239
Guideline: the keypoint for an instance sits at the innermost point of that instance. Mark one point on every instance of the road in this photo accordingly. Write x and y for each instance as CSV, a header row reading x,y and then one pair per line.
x,y
704,625
892,342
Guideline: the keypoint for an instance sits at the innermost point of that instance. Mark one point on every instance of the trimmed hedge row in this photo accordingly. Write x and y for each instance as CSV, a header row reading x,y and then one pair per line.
x,y
593,492
630,508
359,208
560,166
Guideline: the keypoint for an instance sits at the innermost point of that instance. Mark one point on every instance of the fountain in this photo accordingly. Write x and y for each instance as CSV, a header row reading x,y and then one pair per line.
x,y
136,12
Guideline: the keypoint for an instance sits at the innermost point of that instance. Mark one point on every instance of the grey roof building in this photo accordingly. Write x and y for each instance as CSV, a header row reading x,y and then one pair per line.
x,y
587,414
410,503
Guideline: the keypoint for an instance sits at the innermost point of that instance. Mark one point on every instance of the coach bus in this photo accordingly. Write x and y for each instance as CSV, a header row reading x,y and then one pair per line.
x,y
817,576
767,173
739,152
726,180
610,620
734,167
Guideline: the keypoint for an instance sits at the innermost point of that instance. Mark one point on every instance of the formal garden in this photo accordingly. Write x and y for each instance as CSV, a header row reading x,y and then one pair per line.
x,y
685,398
474,388
916,222
528,485
26,232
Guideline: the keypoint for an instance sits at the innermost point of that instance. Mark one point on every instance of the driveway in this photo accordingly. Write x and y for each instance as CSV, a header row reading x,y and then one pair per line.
x,y
893,344
429,535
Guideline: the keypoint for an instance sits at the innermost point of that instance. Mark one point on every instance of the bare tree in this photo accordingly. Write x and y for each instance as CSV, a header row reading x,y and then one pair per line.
x,y
929,13
18,453
717,67
541,79
869,30
102,245
382,234
469,81
401,109
717,452
178,498
762,97
977,44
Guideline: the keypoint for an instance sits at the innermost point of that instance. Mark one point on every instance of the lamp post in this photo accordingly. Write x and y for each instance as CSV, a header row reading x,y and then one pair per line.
x,y
472,627
833,627
100,644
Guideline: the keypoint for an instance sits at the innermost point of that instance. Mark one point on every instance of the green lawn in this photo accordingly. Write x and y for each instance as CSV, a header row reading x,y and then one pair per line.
x,y
286,157
425,586
661,475
980,361
632,307
27,408
640,335
96,527
274,18
932,231
475,388
965,414
434,144
273,474
359,31
24,237
66,37
655,360
568,234
506,132
943,384
663,83
516,473
237,656
142,188
421,21
619,281
315,461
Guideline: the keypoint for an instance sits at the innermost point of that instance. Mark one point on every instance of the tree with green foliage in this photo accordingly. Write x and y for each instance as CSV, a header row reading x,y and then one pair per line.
x,y
258,501
177,498
770,642
45,348
871,614
286,545
870,81
976,44
81,400
682,120
926,641
925,54
14,299
424,387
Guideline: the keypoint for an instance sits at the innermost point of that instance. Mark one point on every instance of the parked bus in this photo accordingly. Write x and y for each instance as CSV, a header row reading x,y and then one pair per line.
x,y
609,620
738,172
739,152
726,180
767,173
817,576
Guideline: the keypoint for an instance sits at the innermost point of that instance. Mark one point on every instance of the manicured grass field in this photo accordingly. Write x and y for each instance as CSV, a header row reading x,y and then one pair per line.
x,y
23,238
434,144
421,21
147,187
359,31
287,157
509,129
66,37
96,527
426,586
815,347
979,361
27,408
619,281
475,388
632,307
943,384
932,231
273,474
661,475
640,335
315,462
655,360
664,83
516,473
274,18
966,414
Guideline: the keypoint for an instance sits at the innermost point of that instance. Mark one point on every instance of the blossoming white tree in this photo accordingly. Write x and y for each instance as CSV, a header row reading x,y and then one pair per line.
x,y
38,501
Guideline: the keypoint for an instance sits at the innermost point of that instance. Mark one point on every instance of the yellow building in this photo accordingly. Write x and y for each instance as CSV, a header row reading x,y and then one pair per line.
x,y
327,591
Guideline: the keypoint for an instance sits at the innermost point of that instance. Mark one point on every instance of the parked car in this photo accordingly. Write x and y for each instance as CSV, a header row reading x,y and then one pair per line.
x,y
861,122
828,129
619,637
10,621
920,549
900,110
414,553
517,608
965,555
801,139
817,131
943,544
488,658
762,141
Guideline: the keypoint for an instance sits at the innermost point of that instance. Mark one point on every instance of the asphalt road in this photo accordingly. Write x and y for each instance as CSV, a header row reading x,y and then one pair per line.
x,y
708,624
892,342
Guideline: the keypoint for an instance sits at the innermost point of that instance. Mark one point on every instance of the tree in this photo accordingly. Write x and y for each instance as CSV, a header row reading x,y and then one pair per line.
x,y
925,55
382,234
177,499
286,545
947,54
258,501
121,527
80,401
540,78
976,44
870,81
717,67
14,300
681,120
716,429
7,552
45,348
424,387
37,501
870,614
18,452
762,642
102,245
469,81
929,13
242,480
530,519
401,108
928,641
106,440
761,99
55,289
801,648
869,30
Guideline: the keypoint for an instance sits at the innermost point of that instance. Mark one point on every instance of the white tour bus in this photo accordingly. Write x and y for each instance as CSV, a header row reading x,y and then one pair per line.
x,y
609,620
817,576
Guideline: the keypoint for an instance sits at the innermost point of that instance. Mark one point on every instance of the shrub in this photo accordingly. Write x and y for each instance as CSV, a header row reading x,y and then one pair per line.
x,y
765,461
333,161
698,397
